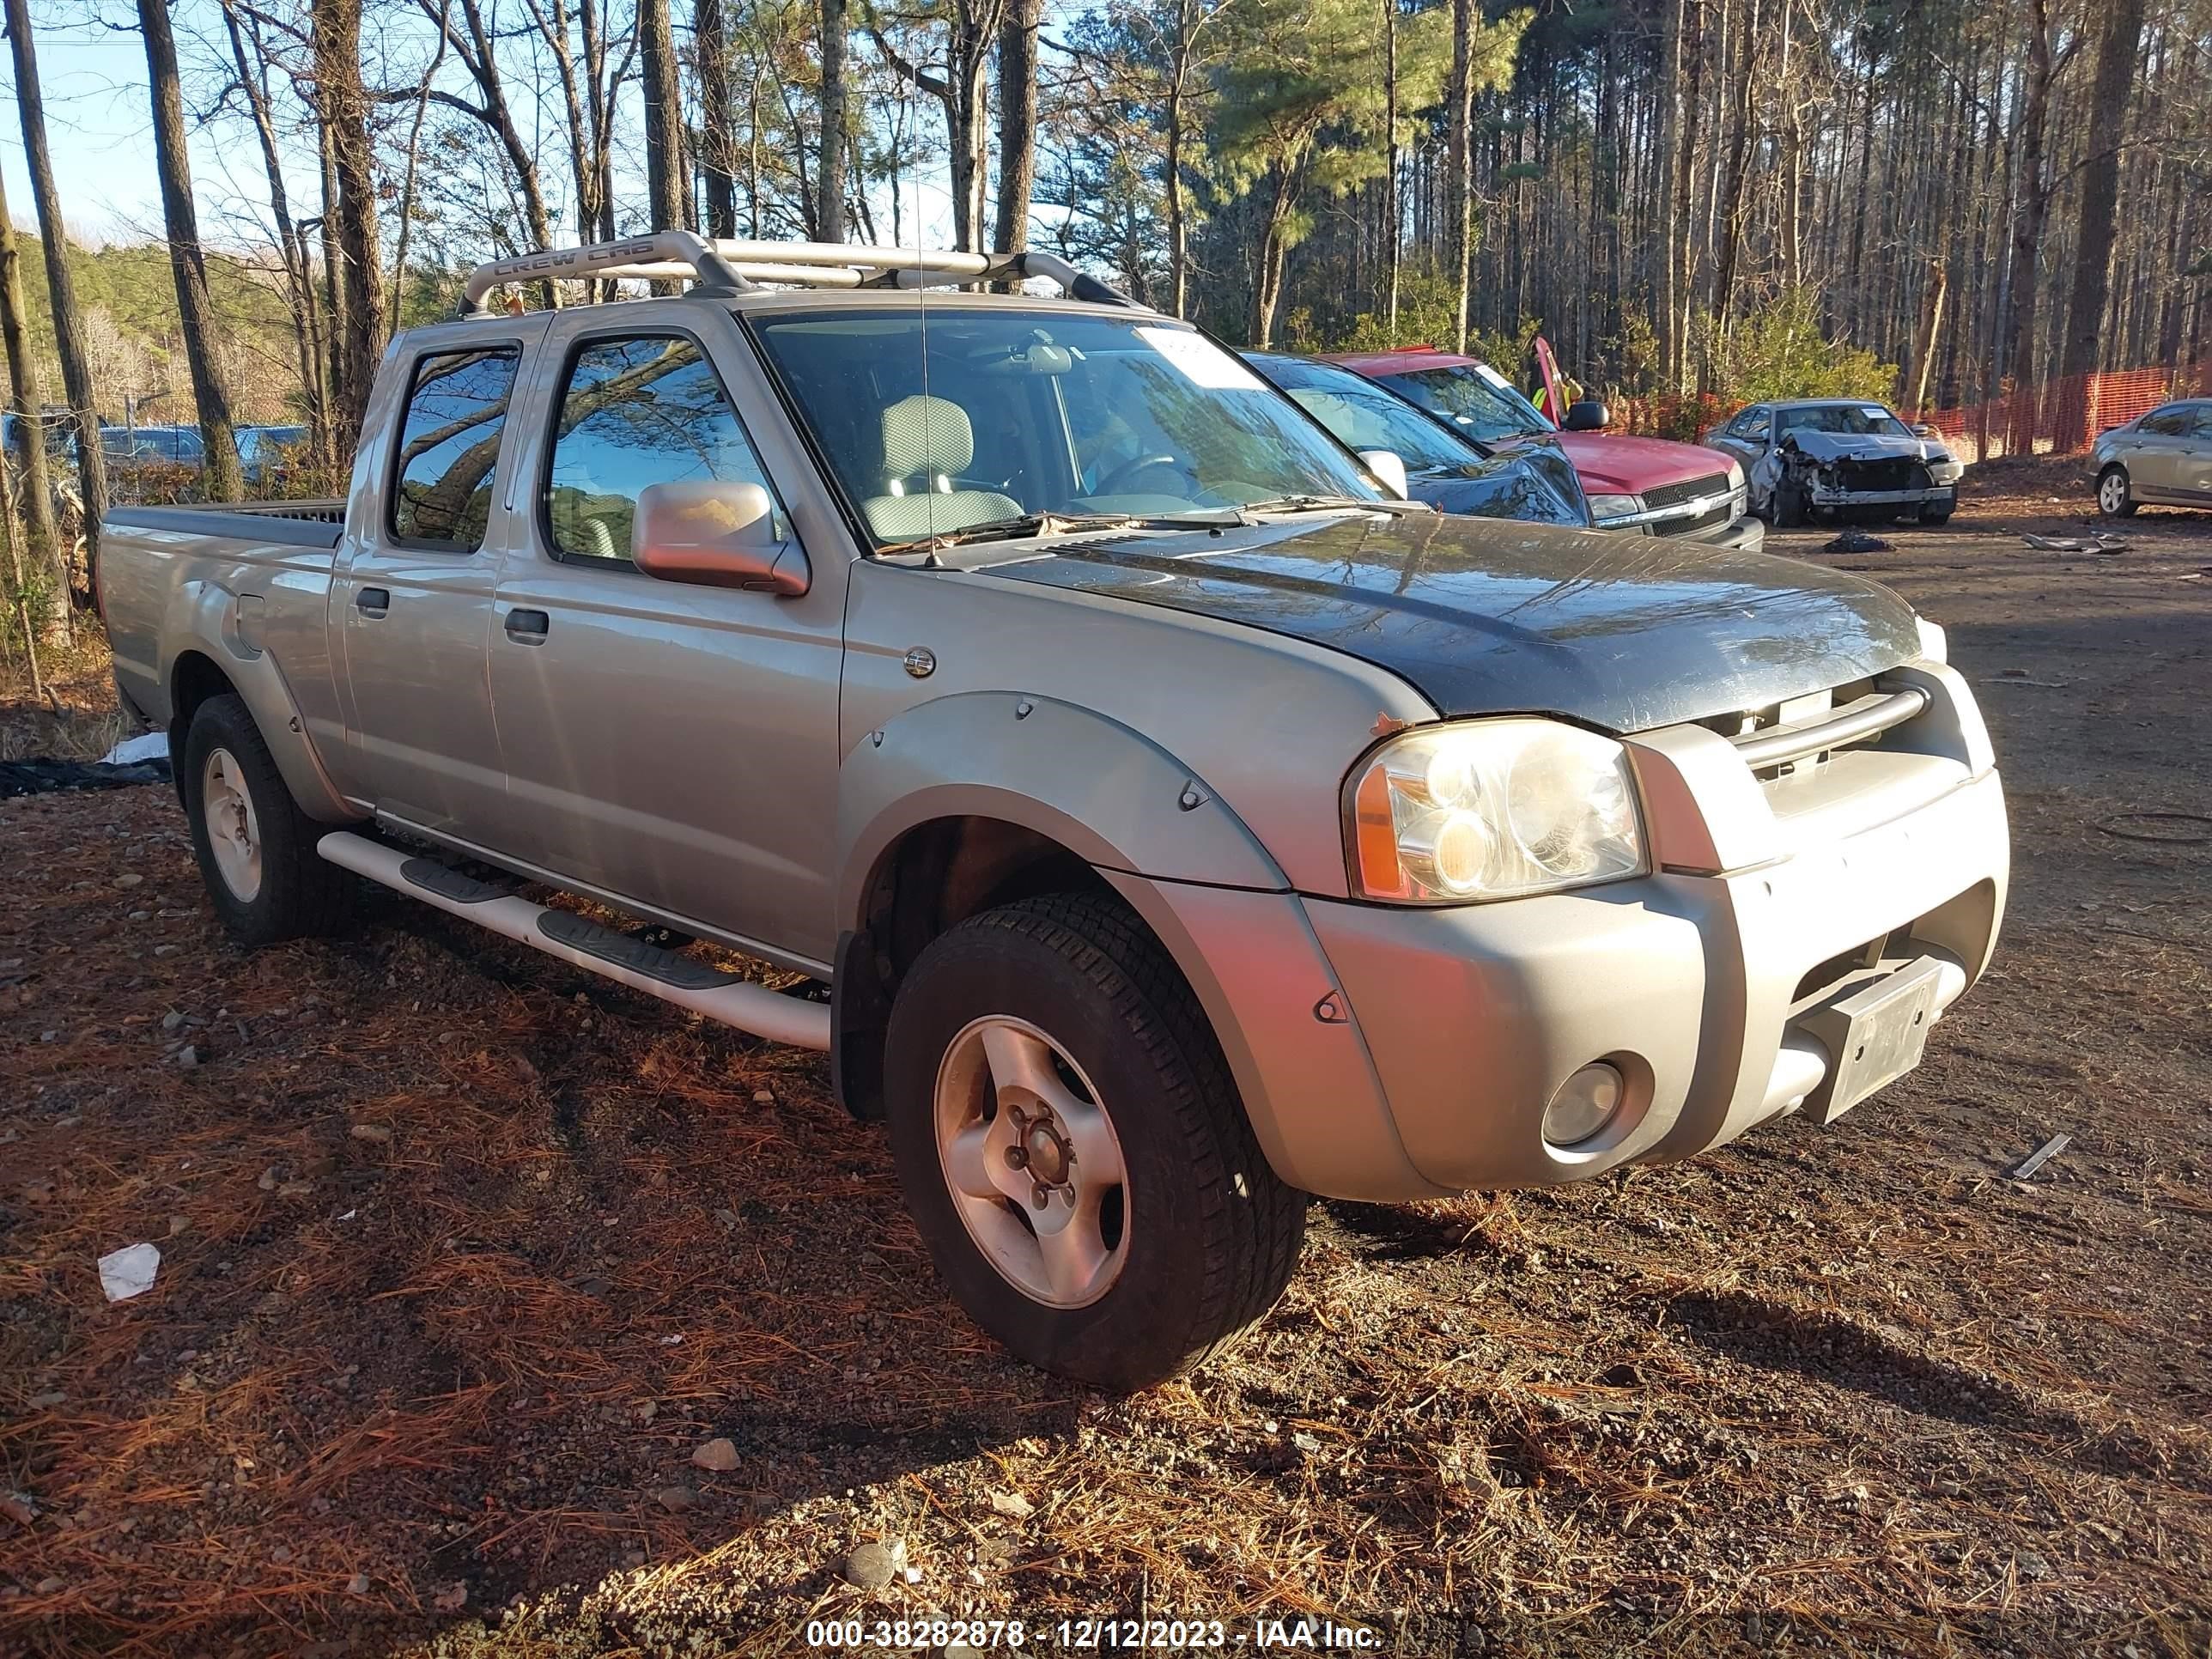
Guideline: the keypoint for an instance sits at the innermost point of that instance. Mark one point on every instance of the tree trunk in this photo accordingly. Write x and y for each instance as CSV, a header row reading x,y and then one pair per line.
x,y
829,177
187,262
712,47
343,109
664,116
1458,185
1731,208
326,232
1017,120
47,555
1178,219
1912,391
2117,68
1667,342
299,275
1391,243
2028,231
61,291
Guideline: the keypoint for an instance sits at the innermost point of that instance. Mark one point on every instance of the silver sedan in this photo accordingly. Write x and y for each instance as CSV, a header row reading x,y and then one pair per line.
x,y
2164,458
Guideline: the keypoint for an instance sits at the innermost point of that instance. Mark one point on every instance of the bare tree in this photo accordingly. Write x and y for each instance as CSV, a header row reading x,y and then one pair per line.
x,y
2047,59
664,116
47,552
1017,119
2116,55
970,27
253,68
61,289
342,104
187,260
710,46
1459,184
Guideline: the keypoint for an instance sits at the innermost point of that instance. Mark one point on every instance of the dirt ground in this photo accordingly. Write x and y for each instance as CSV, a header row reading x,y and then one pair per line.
x,y
464,1254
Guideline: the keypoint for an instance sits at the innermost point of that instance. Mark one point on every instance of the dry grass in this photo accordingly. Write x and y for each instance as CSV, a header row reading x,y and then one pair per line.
x,y
78,719
1852,1391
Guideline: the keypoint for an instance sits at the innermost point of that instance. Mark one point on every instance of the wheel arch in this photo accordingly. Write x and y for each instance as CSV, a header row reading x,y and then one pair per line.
x,y
976,800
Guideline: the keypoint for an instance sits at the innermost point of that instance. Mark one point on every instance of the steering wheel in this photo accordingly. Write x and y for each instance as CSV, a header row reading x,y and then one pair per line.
x,y
1114,482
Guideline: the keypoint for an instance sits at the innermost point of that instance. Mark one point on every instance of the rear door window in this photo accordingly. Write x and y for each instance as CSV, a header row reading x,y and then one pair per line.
x,y
442,478
644,409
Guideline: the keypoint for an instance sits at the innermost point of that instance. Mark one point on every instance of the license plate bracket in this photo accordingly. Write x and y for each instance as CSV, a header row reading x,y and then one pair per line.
x,y
1874,1036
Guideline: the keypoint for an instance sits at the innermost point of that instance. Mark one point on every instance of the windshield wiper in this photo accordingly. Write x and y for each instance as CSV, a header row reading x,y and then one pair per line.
x,y
1057,524
1314,503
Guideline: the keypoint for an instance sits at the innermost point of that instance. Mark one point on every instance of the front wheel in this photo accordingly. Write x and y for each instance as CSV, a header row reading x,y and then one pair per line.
x,y
1072,1149
2115,498
256,847
1789,506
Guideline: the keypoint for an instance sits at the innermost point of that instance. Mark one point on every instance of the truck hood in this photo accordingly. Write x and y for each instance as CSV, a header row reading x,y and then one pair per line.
x,y
1611,465
1622,633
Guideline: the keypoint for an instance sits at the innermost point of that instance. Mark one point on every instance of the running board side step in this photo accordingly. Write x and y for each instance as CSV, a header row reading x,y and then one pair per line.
x,y
683,980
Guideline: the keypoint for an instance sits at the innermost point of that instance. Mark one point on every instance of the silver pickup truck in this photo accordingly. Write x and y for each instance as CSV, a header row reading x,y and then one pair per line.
x,y
1181,823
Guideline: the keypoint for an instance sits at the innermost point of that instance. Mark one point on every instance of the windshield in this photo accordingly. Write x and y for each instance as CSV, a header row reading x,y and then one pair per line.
x,y
1363,415
1015,411
1474,398
1856,419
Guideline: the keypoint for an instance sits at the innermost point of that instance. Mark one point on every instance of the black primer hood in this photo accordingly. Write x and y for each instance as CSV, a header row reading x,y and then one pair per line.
x,y
1484,616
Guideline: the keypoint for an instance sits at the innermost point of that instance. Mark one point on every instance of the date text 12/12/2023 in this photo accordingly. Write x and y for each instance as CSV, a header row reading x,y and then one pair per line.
x,y
1094,1635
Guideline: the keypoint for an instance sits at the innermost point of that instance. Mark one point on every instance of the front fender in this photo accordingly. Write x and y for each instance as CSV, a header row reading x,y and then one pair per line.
x,y
225,627
1107,793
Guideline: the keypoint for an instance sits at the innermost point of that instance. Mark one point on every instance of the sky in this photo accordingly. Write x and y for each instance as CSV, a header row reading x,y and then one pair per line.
x,y
99,129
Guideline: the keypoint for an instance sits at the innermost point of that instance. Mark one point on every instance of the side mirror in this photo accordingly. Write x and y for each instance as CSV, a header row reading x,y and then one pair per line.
x,y
714,534
1589,415
1922,429
1390,472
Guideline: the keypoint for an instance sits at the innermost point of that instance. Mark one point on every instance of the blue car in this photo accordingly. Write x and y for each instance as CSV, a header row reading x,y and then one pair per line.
x,y
1533,482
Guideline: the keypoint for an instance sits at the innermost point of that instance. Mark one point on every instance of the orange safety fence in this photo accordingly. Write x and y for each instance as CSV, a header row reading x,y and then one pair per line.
x,y
2060,416
2064,415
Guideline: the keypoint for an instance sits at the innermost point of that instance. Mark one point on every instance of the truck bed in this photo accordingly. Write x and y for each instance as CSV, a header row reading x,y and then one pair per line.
x,y
302,523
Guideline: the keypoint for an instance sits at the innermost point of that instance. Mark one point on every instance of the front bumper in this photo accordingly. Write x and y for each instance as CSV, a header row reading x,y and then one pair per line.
x,y
1744,534
1387,1053
1942,497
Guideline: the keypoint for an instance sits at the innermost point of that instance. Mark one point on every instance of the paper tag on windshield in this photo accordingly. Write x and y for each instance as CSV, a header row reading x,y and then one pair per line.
x,y
1483,371
1873,411
1200,362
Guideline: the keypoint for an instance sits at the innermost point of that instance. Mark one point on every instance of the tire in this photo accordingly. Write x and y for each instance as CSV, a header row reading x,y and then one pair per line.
x,y
1069,991
256,847
2116,498
1788,506
1932,519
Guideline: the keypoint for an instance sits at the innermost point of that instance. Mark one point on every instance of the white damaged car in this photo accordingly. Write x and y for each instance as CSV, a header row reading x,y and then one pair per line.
x,y
1840,458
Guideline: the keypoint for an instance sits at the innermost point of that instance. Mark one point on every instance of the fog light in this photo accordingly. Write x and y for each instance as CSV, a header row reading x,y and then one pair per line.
x,y
1586,1103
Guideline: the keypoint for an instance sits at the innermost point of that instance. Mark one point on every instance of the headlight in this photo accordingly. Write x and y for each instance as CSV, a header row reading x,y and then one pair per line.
x,y
1943,469
1488,809
1735,474
1613,506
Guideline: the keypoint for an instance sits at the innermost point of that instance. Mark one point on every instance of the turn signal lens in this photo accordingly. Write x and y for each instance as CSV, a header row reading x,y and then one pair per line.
x,y
1492,809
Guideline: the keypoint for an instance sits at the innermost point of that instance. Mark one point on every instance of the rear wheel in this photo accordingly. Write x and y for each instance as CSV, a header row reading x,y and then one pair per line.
x,y
256,847
2115,497
1072,1148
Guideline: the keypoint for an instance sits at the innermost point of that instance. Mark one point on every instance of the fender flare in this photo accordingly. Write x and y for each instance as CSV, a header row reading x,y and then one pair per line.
x,y
1112,796
206,617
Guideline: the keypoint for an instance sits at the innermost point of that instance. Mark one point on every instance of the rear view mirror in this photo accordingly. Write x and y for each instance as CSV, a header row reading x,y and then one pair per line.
x,y
1589,415
714,534
1390,472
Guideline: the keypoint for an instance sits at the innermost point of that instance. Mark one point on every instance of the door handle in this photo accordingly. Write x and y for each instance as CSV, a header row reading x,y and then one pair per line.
x,y
527,627
373,601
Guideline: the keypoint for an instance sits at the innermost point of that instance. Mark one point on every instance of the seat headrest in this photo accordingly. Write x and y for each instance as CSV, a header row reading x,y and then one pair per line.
x,y
927,435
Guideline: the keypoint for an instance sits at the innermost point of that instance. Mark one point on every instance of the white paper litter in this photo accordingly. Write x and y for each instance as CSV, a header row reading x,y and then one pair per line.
x,y
152,745
129,1272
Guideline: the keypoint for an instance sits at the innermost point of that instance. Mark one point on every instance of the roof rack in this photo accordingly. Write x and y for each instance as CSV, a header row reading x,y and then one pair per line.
x,y
720,267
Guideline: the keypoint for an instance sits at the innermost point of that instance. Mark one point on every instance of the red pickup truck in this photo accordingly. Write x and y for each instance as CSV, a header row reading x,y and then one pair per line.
x,y
1646,485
